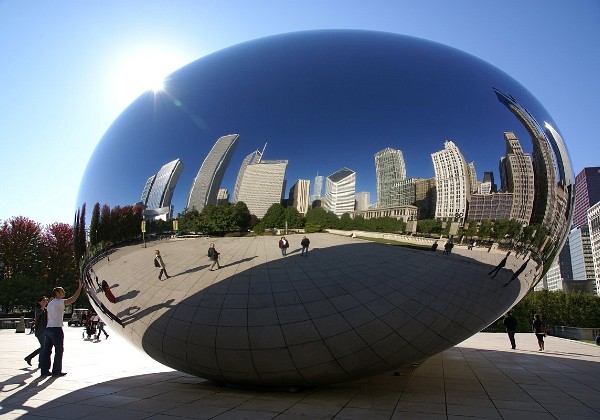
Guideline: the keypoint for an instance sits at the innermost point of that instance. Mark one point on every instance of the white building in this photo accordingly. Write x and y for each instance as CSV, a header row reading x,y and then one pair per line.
x,y
582,261
251,159
262,185
452,181
362,200
222,196
158,191
339,191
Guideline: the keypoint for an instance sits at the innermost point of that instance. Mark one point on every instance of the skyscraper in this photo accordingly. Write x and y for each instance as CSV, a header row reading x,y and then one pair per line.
x,y
340,191
299,197
425,197
262,185
452,182
390,170
587,193
208,181
251,159
593,215
517,177
222,196
363,200
473,177
318,188
160,189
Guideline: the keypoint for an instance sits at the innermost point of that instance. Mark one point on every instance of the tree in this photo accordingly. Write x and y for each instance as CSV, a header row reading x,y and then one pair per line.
x,y
221,218
21,248
189,221
274,217
104,227
243,216
293,218
485,229
60,265
94,222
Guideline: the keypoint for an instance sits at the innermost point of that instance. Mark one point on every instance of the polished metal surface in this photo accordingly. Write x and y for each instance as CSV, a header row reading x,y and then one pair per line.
x,y
478,145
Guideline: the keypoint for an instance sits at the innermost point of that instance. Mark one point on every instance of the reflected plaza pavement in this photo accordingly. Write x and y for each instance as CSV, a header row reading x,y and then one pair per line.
x,y
479,378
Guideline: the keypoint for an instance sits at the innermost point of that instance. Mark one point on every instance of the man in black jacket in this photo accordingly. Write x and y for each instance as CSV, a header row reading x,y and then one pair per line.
x,y
510,323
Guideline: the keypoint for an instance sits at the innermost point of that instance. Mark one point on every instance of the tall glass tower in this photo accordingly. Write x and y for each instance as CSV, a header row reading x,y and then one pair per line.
x,y
158,191
390,170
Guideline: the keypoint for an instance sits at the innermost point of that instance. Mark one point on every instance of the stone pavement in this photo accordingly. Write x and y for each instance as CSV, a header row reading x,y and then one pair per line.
x,y
479,378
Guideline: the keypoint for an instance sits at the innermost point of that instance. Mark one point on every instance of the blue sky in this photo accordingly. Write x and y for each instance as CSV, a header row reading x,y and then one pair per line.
x,y
68,69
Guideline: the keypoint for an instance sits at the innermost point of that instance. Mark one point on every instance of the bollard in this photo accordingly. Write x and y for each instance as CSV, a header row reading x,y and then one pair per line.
x,y
21,325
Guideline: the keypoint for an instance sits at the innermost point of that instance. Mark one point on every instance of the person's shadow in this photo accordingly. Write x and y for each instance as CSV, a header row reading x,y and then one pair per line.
x,y
192,270
129,295
239,261
19,384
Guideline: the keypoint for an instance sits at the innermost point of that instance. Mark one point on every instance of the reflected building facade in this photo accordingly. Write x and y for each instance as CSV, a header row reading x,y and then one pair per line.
x,y
593,216
262,185
158,191
390,171
318,188
363,200
340,191
299,196
473,177
587,193
208,181
251,159
425,197
517,177
452,183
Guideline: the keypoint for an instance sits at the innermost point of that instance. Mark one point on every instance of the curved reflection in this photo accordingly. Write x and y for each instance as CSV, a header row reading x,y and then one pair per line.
x,y
361,128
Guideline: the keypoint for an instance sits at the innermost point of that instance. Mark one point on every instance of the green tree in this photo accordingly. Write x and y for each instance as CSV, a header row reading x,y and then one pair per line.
x,y
293,218
274,217
189,221
485,229
429,226
243,216
221,218
94,224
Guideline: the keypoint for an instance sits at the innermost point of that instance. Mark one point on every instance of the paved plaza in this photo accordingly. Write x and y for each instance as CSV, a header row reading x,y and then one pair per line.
x,y
479,378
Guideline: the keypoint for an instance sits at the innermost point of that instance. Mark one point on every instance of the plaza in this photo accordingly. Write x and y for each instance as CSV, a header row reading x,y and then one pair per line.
x,y
479,378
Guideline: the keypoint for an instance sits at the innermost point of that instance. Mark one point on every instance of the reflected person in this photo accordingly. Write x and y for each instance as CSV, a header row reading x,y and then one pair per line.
x,y
517,273
214,257
500,266
305,243
158,262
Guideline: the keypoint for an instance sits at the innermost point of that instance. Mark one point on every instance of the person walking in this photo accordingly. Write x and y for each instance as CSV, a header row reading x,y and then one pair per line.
x,y
158,262
54,333
283,245
305,243
510,323
500,265
214,257
448,247
539,329
40,321
100,329
434,246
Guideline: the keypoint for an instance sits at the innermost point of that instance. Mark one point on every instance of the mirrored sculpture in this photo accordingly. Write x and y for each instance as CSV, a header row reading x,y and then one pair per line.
x,y
422,143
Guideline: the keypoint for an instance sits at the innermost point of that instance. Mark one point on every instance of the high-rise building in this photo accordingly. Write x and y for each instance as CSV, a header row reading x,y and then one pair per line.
x,y
593,216
340,191
363,200
587,193
390,170
425,197
407,192
299,195
452,183
158,191
208,181
473,177
493,206
517,177
582,260
251,159
318,188
262,185
222,196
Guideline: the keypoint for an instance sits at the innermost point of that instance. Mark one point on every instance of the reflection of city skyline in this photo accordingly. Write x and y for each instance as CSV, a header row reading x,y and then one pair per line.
x,y
453,193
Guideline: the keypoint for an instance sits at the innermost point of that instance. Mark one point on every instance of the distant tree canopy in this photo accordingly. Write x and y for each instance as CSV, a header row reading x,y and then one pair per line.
x,y
216,220
573,309
34,260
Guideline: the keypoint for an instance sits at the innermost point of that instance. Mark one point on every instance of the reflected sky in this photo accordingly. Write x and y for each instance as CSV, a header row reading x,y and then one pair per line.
x,y
323,100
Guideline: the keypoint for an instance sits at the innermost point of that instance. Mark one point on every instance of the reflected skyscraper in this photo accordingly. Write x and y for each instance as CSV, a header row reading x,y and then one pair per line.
x,y
158,191
425,197
262,185
208,181
587,193
517,177
251,159
452,183
390,170
318,188
593,215
299,195
363,200
472,177
340,191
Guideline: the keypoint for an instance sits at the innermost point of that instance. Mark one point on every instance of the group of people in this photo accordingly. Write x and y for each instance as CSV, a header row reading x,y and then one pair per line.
x,y
537,326
213,255
49,315
94,326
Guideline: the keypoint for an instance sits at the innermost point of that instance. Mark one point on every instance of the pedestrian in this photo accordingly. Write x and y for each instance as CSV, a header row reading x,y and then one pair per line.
x,y
499,266
54,332
100,329
159,263
448,247
305,243
434,246
214,257
40,322
539,329
283,245
510,323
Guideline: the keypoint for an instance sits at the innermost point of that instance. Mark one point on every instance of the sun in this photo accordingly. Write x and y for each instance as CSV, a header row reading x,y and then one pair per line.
x,y
142,71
